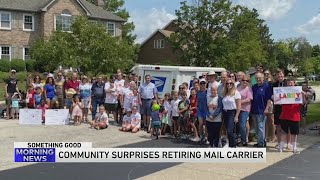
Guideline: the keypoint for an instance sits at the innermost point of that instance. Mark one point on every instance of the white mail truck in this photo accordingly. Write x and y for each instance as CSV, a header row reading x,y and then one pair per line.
x,y
168,78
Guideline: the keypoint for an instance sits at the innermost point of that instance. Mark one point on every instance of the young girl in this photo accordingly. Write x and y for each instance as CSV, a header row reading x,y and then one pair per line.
x,y
126,121
193,115
101,120
16,98
135,120
175,112
134,99
183,114
30,97
76,110
166,114
43,106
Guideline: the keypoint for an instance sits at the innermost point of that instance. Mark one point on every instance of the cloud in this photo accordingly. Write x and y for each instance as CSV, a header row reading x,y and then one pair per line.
x,y
270,9
146,22
310,27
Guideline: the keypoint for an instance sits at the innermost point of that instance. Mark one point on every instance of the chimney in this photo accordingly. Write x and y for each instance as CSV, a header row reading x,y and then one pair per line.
x,y
100,3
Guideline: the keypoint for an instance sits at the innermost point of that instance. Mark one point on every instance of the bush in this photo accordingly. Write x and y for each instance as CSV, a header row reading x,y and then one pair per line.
x,y
18,64
3,76
31,65
5,65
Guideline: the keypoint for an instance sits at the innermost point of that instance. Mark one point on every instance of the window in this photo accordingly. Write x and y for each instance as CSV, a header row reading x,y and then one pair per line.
x,y
28,22
5,20
158,44
111,28
26,53
5,52
63,22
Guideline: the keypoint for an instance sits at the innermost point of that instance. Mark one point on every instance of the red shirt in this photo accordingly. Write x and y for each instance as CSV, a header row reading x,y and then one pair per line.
x,y
73,84
193,103
290,112
30,96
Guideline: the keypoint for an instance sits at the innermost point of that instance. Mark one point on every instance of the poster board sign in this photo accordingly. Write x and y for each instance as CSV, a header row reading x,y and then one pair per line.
x,y
288,95
57,117
30,117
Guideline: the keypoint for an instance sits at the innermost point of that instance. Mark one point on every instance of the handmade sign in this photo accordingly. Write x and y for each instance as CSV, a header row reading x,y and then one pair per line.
x,y
30,117
287,95
57,117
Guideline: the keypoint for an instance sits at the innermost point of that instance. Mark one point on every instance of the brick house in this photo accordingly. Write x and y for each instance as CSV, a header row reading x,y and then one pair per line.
x,y
23,21
156,49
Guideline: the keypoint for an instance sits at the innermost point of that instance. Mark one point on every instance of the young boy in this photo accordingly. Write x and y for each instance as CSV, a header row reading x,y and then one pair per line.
x,y
175,112
126,121
155,119
38,96
289,120
183,114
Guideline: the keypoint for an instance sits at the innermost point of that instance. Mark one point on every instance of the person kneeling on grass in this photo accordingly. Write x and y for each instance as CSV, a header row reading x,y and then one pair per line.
x,y
101,120
155,119
135,120
126,121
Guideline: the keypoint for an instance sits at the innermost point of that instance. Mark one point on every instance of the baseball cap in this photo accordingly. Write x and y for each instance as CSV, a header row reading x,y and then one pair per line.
x,y
13,70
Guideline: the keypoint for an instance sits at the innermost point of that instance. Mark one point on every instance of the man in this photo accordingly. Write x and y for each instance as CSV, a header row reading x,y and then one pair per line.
x,y
59,89
260,107
259,69
98,95
10,88
147,92
119,85
240,76
73,83
212,77
224,78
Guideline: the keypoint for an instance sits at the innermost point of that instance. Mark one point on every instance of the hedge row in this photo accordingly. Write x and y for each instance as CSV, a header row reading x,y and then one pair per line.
x,y
18,64
21,76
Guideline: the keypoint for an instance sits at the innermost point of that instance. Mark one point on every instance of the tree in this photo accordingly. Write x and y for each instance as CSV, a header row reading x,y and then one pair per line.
x,y
88,47
316,64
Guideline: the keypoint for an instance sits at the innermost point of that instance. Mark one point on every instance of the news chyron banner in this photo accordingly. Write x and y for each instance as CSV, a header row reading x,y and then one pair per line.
x,y
79,152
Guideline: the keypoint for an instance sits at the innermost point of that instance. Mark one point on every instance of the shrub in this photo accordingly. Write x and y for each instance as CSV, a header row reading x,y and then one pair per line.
x,y
5,65
3,76
18,64
31,65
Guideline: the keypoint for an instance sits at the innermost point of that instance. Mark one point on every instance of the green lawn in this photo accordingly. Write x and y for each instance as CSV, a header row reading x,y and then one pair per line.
x,y
22,86
313,113
314,83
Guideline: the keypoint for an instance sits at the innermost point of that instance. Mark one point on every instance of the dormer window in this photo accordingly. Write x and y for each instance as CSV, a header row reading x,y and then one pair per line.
x,y
63,22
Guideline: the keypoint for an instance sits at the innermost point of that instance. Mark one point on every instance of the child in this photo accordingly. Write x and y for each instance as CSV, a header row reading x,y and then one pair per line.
x,y
43,106
193,115
175,112
289,120
165,114
155,119
183,114
76,110
38,96
135,120
101,120
135,99
126,121
30,97
16,98
69,98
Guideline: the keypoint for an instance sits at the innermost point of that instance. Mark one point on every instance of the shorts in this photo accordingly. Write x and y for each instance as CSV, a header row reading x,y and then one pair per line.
x,y
201,115
68,103
111,107
303,111
9,99
292,125
85,103
146,107
14,110
175,119
183,120
51,98
192,118
277,112
156,124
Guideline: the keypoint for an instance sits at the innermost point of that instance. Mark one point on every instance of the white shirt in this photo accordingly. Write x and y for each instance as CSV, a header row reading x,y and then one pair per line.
x,y
119,84
216,83
213,101
126,119
102,117
127,92
111,98
229,102
174,107
134,101
136,120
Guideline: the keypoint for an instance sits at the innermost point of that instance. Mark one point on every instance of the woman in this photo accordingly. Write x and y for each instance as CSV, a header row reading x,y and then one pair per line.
x,y
231,109
246,98
268,76
232,76
85,96
49,91
37,82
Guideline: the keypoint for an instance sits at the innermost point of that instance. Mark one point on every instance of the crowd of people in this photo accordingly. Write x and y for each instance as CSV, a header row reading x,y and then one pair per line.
x,y
216,113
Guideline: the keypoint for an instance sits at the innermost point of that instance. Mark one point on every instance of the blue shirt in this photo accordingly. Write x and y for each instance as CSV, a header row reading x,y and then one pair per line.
x,y
261,95
147,91
202,101
37,99
85,91
49,88
155,116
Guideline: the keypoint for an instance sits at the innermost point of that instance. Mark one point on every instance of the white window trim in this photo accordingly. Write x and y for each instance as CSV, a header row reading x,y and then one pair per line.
x,y
23,52
114,28
24,29
6,28
55,21
10,49
157,44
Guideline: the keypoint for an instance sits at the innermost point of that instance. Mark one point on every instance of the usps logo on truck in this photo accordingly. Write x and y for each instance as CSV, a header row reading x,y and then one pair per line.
x,y
159,82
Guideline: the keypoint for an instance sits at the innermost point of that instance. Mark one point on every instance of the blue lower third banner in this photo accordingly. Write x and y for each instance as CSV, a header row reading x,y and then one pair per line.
x,y
34,155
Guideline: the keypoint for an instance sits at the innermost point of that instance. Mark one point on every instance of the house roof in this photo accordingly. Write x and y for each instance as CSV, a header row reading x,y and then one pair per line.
x,y
92,10
165,33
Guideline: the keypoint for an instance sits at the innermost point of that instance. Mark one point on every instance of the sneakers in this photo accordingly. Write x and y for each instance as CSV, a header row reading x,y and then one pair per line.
x,y
183,137
207,142
195,139
289,147
280,150
296,151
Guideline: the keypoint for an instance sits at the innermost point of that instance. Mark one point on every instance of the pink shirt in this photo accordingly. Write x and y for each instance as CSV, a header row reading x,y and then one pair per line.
x,y
246,94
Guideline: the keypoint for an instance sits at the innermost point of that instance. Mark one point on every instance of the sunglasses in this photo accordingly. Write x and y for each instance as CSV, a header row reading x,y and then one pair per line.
x,y
245,80
202,83
229,83
232,76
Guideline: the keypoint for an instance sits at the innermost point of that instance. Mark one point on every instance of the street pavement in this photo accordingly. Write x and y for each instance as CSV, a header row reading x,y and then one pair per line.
x,y
10,132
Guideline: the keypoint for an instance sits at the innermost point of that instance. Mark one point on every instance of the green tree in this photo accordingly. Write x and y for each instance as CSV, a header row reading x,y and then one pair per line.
x,y
316,64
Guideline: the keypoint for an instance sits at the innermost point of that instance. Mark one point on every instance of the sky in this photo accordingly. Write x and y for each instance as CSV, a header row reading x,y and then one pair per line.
x,y
285,18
